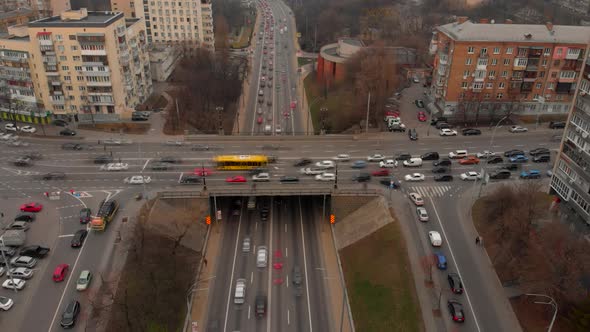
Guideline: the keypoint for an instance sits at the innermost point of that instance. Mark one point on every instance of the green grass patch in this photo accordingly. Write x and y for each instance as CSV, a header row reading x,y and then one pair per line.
x,y
380,284
303,61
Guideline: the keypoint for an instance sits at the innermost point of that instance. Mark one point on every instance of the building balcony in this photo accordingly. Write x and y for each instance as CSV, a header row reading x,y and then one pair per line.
x,y
14,59
93,52
50,60
576,155
58,101
566,79
535,53
46,48
121,31
46,42
573,54
107,83
54,82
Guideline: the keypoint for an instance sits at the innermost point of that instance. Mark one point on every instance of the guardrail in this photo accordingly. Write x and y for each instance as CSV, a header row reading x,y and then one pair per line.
x,y
291,191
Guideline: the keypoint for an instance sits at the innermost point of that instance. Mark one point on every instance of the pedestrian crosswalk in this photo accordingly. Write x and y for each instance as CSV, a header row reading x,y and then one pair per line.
x,y
431,191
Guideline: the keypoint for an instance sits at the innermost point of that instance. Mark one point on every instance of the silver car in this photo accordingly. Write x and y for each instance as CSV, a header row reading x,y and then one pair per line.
x,y
246,245
21,273
262,256
23,261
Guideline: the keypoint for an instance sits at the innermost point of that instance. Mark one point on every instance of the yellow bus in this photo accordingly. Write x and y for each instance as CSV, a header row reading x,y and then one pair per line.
x,y
238,162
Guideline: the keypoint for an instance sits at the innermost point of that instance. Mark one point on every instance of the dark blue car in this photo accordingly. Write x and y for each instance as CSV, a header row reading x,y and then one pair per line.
x,y
520,158
441,260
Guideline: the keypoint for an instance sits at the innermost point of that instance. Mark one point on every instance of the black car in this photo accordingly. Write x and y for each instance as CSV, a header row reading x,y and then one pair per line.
x,y
403,156
68,317
190,179
297,277
60,123
538,151
556,124
25,216
388,183
456,311
54,176
289,179
512,153
258,170
264,213
542,158
35,251
470,132
436,120
500,174
8,251
362,177
78,238
67,132
160,166
397,127
33,155
104,159
443,178
170,160
442,162
260,306
72,146
495,160
203,147
23,161
455,283
302,162
85,215
412,134
440,169
442,125
430,156
510,167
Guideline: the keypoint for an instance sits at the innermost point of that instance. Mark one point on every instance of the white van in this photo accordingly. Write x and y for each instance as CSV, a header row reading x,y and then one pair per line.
x,y
267,130
413,162
458,154
260,92
240,294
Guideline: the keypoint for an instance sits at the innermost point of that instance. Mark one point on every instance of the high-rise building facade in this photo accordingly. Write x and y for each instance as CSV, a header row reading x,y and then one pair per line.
x,y
571,175
487,70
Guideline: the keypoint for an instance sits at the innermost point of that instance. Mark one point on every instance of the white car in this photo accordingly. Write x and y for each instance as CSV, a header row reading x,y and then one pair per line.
x,y
2,270
422,213
115,167
447,132
28,129
326,177
342,157
21,273
389,163
138,179
325,164
485,154
414,177
435,238
312,170
376,157
261,177
5,303
518,129
8,136
261,256
470,176
17,284
417,199
11,127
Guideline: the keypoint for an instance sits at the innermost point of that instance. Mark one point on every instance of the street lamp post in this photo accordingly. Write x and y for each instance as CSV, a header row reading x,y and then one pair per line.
x,y
203,175
336,177
219,109
484,169
7,264
323,112
309,113
551,303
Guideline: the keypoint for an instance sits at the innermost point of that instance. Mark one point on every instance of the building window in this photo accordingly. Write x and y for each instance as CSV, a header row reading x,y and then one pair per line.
x,y
58,37
559,51
464,85
470,50
538,85
80,78
499,96
486,96
553,74
76,58
494,62
544,63
492,74
489,85
63,58
501,85
496,50
484,51
509,50
82,88
78,68
74,48
505,73
507,62
542,74
61,48
547,51
72,37
466,73
520,62
69,88
468,61
65,68
550,86
67,78
477,86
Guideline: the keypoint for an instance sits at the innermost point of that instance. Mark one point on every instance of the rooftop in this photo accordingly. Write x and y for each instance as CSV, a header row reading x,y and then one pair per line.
x,y
15,13
525,33
93,19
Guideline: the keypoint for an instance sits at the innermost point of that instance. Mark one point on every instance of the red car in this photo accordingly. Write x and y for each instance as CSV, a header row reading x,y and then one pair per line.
x,y
59,274
31,207
286,114
259,120
237,178
203,172
392,113
381,172
421,116
469,160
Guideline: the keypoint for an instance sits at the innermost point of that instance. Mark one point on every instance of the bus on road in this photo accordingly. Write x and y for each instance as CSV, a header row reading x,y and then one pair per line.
x,y
240,162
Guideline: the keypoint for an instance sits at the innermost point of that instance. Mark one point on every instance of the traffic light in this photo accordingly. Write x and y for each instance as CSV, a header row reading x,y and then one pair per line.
x,y
332,219
208,220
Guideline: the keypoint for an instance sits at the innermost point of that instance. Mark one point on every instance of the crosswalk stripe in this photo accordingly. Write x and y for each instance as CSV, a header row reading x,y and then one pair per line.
x,y
431,191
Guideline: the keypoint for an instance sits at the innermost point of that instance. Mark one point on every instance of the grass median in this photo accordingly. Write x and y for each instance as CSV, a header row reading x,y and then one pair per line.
x,y
379,281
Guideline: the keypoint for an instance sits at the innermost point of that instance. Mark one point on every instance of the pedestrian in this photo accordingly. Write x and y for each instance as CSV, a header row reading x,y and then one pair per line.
x,y
205,261
477,240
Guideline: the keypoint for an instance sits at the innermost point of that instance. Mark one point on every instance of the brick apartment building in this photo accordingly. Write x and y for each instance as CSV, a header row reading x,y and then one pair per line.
x,y
486,70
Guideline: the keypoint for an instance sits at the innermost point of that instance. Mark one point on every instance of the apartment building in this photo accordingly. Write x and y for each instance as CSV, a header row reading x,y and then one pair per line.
x,y
88,65
577,6
484,71
571,175
14,17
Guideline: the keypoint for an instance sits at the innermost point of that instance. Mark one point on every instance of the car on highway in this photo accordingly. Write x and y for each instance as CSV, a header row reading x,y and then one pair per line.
x,y
288,179
469,160
104,159
203,172
470,132
33,155
430,156
358,164
35,251
78,238
70,314
297,276
14,284
485,154
72,146
170,160
17,225
260,306
443,178
206,147
59,123
447,132
435,238
510,167
455,283
261,177
414,177
556,124
23,261
413,134
519,158
190,179
419,103
442,125
416,199
440,260
518,129
470,176
83,280
542,158
403,156
31,207
458,154
442,162
67,132
11,127
380,172
25,216
376,157
422,213
539,151
361,177
302,162
236,179
23,161
53,176
391,183
389,163
325,164
312,170
240,291
115,167
21,273
60,272
421,116
513,152
530,174
456,311
341,157
494,160
500,174
440,169
157,166
6,303
262,256
138,179
28,129
326,177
